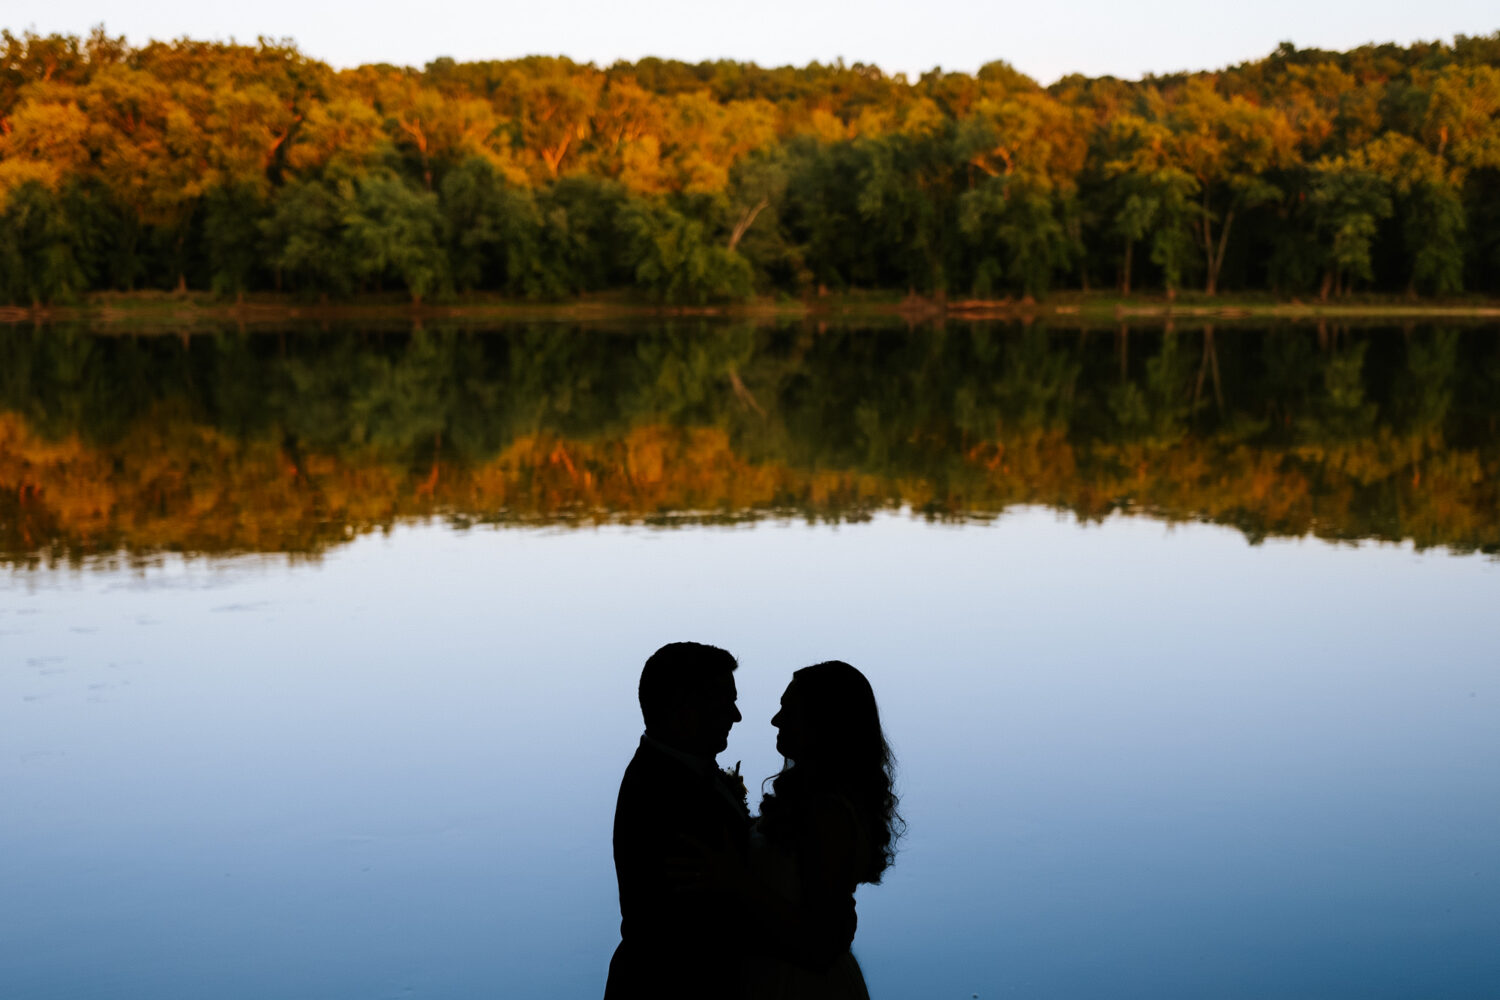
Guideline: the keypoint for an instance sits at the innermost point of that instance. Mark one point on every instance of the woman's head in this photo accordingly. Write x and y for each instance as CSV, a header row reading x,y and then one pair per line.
x,y
828,718
828,729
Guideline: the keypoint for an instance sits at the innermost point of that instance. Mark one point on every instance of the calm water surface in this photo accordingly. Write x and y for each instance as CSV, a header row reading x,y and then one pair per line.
x,y
319,729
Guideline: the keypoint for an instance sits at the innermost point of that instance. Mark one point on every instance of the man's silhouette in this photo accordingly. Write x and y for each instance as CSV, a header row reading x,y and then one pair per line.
x,y
676,944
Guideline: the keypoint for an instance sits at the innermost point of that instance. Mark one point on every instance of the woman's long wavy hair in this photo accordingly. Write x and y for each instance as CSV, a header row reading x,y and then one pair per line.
x,y
846,754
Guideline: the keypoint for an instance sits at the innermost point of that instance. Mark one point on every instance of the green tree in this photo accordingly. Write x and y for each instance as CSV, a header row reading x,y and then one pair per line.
x,y
1348,202
675,260
305,235
494,234
1172,240
580,240
1228,145
394,230
1020,230
37,260
233,220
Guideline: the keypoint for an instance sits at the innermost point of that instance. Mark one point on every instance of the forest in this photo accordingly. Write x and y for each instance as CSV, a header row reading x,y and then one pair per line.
x,y
245,169
296,442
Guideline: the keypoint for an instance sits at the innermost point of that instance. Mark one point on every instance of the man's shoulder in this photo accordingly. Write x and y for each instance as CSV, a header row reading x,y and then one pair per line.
x,y
655,793
650,768
656,784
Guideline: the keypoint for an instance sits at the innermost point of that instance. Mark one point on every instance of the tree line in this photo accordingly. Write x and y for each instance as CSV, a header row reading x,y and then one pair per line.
x,y
243,442
244,168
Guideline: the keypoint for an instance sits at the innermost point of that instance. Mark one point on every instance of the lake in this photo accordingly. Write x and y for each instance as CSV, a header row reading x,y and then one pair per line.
x,y
318,647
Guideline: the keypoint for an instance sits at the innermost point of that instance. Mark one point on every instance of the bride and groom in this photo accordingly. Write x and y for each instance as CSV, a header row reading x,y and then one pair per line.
x,y
716,903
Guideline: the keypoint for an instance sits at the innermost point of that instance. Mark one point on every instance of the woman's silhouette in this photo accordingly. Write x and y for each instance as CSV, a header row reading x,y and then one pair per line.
x,y
828,824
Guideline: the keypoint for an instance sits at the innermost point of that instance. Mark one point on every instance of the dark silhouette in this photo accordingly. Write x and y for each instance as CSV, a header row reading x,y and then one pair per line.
x,y
712,906
829,824
674,943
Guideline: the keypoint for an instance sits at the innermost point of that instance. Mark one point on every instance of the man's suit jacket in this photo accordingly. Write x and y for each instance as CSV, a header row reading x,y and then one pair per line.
x,y
673,943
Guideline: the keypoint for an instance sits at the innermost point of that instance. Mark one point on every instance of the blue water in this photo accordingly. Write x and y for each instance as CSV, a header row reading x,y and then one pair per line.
x,y
1136,760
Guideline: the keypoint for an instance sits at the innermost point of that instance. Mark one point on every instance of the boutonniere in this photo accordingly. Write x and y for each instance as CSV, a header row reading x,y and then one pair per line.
x,y
736,784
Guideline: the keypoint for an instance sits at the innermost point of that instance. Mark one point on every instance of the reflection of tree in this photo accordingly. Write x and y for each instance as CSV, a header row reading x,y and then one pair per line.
x,y
1340,413
1424,391
295,442
1156,410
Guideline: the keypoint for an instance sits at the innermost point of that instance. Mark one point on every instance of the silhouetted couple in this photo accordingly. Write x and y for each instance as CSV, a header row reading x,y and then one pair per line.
x,y
717,903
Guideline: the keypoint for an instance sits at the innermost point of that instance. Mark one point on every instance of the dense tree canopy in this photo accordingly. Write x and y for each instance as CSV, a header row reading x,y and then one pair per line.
x,y
246,167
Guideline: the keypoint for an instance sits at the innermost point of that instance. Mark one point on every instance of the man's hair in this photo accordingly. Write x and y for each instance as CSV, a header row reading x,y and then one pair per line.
x,y
678,668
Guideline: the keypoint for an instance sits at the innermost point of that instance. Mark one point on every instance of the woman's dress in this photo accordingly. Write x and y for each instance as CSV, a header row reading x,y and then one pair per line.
x,y
827,970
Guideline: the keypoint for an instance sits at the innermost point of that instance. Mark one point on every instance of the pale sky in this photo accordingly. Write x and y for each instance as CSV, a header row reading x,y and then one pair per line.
x,y
1125,38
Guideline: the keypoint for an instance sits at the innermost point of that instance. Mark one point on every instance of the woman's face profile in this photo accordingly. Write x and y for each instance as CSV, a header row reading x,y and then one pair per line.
x,y
791,727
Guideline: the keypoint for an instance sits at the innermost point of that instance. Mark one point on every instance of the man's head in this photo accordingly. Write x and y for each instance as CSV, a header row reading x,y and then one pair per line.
x,y
687,697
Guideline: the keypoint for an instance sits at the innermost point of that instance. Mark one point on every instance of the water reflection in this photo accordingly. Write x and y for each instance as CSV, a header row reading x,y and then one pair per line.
x,y
297,442
1136,760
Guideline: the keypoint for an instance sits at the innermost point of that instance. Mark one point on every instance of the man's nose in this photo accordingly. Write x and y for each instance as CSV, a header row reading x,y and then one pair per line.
x,y
737,715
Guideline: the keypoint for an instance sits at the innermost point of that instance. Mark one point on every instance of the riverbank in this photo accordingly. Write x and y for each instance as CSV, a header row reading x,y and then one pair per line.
x,y
127,311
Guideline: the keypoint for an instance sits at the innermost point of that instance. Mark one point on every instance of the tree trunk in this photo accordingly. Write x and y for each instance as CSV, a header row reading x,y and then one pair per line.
x,y
1214,256
743,225
1202,371
553,155
743,393
1210,364
1208,246
1213,280
1125,277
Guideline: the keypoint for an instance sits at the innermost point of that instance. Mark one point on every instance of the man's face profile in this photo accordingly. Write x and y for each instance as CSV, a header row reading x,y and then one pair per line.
x,y
708,712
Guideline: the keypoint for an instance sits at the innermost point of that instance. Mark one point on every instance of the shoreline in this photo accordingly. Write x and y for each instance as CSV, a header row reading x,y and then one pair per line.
x,y
153,308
